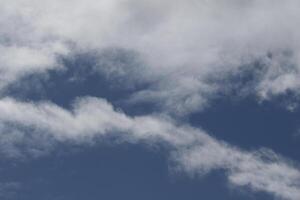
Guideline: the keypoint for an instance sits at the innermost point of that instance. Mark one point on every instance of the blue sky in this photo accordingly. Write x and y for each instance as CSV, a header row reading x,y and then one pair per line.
x,y
127,99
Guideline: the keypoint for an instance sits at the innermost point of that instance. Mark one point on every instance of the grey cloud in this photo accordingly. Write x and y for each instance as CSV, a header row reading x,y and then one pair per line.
x,y
189,41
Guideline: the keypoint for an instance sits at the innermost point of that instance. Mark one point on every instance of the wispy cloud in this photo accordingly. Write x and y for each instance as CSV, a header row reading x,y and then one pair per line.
x,y
192,149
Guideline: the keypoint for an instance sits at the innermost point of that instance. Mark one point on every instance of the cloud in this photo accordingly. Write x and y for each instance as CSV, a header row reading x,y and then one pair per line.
x,y
193,149
183,44
185,50
262,170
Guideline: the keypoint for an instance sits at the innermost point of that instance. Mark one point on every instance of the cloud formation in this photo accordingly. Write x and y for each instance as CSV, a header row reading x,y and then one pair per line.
x,y
185,43
193,149
185,49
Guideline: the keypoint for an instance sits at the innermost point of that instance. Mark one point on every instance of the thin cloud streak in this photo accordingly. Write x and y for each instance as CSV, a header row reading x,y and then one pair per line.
x,y
192,149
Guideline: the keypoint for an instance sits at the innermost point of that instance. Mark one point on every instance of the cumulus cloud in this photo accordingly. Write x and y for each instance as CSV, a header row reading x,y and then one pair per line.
x,y
193,149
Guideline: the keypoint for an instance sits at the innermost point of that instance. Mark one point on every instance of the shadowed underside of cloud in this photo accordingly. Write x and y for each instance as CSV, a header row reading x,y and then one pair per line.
x,y
184,50
192,149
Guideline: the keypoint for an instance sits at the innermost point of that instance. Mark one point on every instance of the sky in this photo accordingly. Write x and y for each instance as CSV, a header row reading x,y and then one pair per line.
x,y
136,99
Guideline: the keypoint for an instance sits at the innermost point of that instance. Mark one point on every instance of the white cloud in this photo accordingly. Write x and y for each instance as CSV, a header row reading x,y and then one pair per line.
x,y
195,151
261,171
184,45
181,42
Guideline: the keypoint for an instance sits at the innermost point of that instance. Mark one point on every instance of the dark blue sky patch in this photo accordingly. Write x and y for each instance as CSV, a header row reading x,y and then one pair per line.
x,y
252,125
115,172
